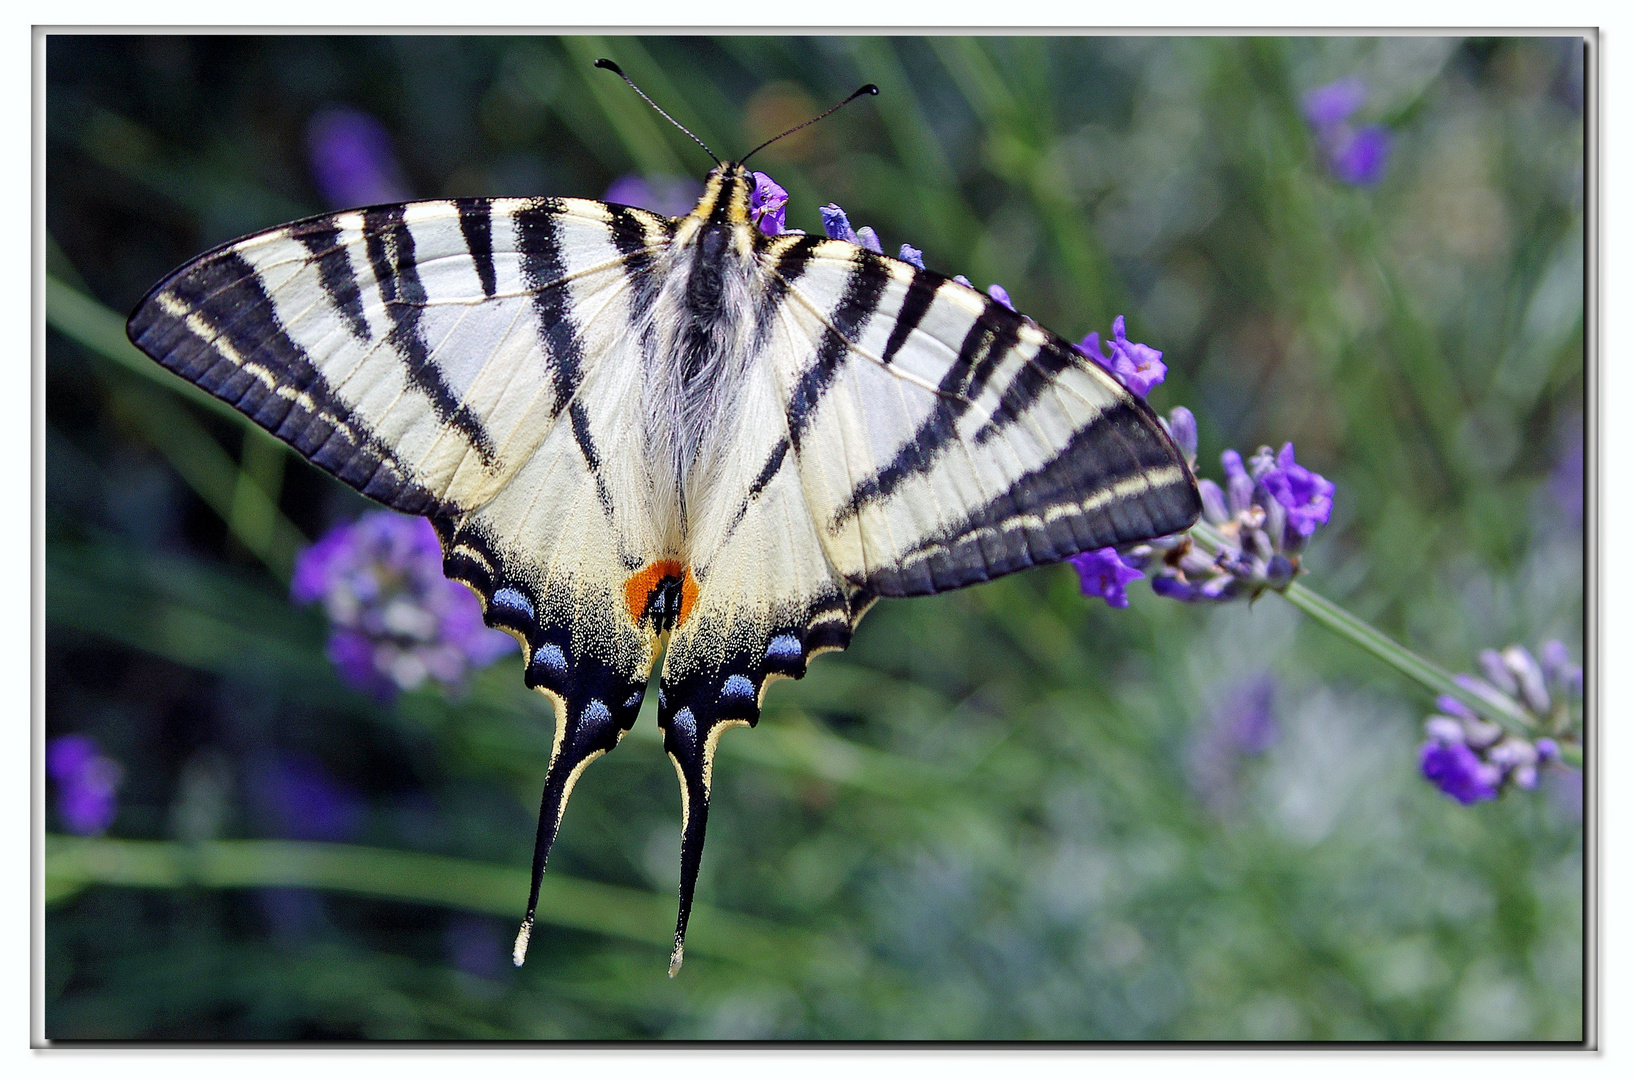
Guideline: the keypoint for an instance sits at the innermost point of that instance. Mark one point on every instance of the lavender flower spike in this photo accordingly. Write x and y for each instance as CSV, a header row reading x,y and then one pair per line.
x,y
1469,757
87,784
396,620
1103,573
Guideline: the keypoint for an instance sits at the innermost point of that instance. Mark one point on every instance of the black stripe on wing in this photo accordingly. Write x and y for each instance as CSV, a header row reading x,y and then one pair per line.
x,y
1117,481
864,285
390,246
990,339
212,323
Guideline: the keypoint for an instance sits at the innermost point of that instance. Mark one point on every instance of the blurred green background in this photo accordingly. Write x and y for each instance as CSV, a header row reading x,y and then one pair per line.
x,y
1005,813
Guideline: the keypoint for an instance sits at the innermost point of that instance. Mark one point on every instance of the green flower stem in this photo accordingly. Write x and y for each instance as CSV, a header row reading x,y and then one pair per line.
x,y
72,863
1425,672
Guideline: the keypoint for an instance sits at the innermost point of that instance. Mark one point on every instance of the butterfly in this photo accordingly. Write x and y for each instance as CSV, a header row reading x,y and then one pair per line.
x,y
637,433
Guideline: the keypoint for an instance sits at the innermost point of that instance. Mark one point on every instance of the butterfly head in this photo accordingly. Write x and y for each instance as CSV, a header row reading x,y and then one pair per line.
x,y
725,199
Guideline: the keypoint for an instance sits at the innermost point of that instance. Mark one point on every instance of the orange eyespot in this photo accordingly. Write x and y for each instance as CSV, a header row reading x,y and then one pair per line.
x,y
642,587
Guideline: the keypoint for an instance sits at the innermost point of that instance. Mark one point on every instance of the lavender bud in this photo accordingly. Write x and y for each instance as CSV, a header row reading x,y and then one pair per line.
x,y
1183,427
1556,662
913,256
1214,502
1239,485
1529,676
1262,462
1548,750
1279,572
1481,733
868,238
1525,777
1497,673
1453,707
1444,729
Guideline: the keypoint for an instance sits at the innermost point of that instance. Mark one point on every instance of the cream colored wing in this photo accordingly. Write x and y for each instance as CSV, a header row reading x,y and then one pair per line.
x,y
443,357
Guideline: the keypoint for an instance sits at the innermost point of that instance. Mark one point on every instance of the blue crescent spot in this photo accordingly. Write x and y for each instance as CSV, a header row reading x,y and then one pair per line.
x,y
784,647
738,687
683,724
512,601
549,658
596,713
633,701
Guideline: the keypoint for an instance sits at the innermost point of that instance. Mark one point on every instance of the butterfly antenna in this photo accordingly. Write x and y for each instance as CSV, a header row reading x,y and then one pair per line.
x,y
616,70
861,90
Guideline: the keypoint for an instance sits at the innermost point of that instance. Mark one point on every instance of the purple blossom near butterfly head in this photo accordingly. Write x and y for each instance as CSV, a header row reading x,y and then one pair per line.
x,y
1000,295
768,205
912,256
87,784
1103,573
836,226
672,196
351,159
396,620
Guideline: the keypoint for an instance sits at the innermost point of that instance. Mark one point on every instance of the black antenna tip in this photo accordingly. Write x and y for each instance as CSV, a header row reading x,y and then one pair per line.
x,y
869,89
616,70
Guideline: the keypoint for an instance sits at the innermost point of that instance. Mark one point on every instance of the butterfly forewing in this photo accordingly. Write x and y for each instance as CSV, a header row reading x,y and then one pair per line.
x,y
953,440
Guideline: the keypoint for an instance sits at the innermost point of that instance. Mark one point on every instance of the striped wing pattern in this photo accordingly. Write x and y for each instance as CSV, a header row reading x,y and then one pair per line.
x,y
491,364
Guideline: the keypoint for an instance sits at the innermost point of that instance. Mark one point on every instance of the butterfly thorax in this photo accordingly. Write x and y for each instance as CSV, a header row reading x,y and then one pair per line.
x,y
698,334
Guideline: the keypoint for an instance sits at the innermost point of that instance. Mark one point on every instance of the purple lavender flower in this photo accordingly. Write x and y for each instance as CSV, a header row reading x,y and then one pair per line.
x,y
999,295
1470,757
1182,428
1459,771
912,256
836,226
1333,103
297,799
767,205
1139,367
1103,573
1355,155
672,196
87,784
351,158
1306,496
1360,156
396,619
478,947
1263,517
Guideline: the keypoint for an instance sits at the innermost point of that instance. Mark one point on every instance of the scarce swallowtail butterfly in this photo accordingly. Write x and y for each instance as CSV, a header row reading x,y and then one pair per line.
x,y
635,432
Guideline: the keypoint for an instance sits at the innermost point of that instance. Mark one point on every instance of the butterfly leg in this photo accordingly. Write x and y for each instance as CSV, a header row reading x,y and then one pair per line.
x,y
690,744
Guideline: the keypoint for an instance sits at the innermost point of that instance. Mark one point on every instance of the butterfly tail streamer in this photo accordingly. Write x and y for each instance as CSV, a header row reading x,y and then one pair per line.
x,y
691,746
583,735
